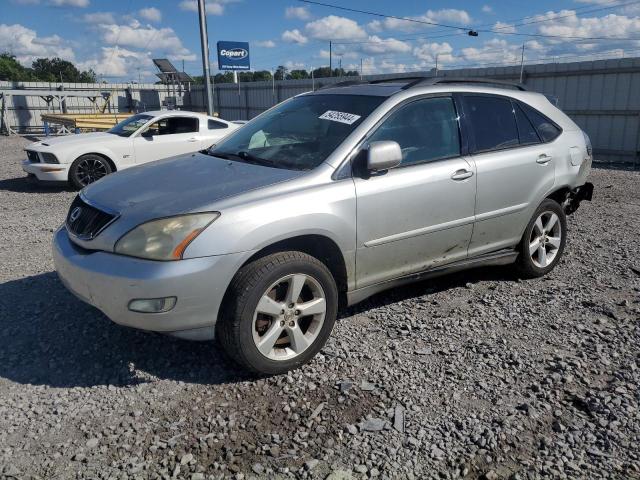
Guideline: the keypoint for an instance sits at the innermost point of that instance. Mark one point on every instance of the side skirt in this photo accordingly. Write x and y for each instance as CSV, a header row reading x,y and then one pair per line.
x,y
501,257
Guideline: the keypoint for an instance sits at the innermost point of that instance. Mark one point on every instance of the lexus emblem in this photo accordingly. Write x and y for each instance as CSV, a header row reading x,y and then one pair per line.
x,y
75,214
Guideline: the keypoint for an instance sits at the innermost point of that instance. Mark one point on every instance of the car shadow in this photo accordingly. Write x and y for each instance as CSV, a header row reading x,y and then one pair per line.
x,y
432,285
29,185
49,337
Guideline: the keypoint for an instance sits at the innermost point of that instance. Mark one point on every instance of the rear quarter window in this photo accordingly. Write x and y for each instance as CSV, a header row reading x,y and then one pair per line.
x,y
214,125
547,130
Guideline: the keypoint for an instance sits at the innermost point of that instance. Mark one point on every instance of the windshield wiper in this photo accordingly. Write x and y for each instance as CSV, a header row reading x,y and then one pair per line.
x,y
243,157
249,157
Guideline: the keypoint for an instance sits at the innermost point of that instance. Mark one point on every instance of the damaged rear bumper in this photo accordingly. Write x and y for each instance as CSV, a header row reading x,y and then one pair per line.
x,y
584,192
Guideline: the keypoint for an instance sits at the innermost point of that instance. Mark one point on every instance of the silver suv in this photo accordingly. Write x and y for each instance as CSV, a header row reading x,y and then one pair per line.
x,y
322,201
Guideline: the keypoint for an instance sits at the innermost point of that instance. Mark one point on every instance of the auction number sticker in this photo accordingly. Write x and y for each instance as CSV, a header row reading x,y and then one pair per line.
x,y
341,117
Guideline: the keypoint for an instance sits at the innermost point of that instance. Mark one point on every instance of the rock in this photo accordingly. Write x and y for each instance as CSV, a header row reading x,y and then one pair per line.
x,y
373,425
398,418
366,386
186,459
257,468
92,443
340,475
311,464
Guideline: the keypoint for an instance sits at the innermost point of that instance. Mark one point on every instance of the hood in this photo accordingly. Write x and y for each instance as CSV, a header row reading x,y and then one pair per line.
x,y
75,139
178,185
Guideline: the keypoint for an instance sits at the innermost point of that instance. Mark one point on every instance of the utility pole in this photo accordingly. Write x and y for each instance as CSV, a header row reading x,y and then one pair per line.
x,y
522,64
436,64
313,81
273,84
330,64
360,69
204,42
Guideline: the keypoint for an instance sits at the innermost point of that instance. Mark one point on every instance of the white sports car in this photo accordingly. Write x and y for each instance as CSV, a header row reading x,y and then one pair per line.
x,y
144,137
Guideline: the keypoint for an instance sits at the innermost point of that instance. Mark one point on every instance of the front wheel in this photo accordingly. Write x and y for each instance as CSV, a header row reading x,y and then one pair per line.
x,y
88,169
278,313
543,240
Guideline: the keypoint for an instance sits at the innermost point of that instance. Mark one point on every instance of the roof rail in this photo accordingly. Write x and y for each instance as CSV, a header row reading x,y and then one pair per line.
x,y
424,80
346,83
472,80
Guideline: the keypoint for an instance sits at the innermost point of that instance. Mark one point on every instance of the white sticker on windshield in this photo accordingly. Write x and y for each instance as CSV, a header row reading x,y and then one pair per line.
x,y
341,117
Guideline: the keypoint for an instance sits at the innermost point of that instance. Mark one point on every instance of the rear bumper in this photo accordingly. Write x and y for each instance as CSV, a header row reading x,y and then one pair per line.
x,y
54,172
584,192
109,282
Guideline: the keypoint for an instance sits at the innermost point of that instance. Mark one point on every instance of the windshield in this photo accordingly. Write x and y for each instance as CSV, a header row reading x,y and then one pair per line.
x,y
129,125
300,133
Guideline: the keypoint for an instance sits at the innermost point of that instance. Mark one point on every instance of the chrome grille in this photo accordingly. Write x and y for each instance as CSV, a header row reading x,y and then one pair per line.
x,y
85,221
33,156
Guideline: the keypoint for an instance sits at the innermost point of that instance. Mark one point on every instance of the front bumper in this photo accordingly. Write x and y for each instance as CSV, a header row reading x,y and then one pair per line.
x,y
109,282
53,172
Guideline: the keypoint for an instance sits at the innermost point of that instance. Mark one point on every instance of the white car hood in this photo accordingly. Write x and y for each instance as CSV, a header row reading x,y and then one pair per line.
x,y
70,140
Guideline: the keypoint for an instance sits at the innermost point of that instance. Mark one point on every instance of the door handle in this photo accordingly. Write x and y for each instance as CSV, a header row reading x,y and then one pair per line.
x,y
462,174
192,140
543,159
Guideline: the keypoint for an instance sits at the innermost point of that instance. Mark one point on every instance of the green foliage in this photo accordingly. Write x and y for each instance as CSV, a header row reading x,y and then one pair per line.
x,y
281,73
11,70
43,70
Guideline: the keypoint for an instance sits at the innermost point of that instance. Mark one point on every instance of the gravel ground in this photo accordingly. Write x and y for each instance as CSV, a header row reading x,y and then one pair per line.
x,y
476,375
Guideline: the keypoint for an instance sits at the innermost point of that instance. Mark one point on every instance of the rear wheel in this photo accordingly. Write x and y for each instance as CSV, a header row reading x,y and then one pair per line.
x,y
543,241
88,169
279,312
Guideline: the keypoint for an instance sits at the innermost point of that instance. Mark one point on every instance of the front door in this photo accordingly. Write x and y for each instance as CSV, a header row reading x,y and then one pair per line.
x,y
168,137
420,214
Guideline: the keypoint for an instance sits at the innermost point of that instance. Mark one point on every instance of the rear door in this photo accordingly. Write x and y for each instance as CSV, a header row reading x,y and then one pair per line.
x,y
168,137
419,214
515,170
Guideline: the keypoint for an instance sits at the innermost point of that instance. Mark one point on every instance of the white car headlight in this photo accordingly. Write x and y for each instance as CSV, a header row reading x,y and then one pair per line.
x,y
166,238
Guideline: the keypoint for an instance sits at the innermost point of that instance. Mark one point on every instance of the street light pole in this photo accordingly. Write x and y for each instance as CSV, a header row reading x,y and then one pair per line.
x,y
522,64
204,41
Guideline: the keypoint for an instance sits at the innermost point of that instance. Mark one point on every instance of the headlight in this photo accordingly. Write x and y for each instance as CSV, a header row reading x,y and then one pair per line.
x,y
48,157
164,239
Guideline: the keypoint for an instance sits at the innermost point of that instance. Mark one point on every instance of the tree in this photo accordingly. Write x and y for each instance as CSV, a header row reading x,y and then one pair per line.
x,y
58,70
298,75
11,70
261,76
281,73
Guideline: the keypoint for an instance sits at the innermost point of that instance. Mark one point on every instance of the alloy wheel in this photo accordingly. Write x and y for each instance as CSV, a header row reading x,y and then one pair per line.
x,y
289,316
90,170
546,238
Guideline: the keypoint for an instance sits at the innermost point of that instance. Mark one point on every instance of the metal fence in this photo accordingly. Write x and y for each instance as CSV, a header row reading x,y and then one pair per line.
x,y
603,97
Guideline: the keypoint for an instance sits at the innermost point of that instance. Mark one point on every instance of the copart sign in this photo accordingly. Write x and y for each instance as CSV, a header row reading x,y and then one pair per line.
x,y
233,56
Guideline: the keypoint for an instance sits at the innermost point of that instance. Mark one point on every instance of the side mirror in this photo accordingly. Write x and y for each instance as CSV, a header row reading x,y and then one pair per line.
x,y
147,134
383,155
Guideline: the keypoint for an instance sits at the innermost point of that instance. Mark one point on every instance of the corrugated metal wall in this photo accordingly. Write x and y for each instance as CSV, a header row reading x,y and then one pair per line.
x,y
22,113
603,97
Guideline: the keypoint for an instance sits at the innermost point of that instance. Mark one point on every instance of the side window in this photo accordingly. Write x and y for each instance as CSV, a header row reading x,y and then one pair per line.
x,y
547,130
213,125
527,133
173,125
426,130
493,123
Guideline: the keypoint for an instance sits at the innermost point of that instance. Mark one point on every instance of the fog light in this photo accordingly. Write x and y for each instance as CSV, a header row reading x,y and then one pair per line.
x,y
152,305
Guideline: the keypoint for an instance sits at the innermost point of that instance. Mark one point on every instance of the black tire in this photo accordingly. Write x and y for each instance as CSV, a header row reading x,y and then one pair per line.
x,y
80,177
525,264
235,326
